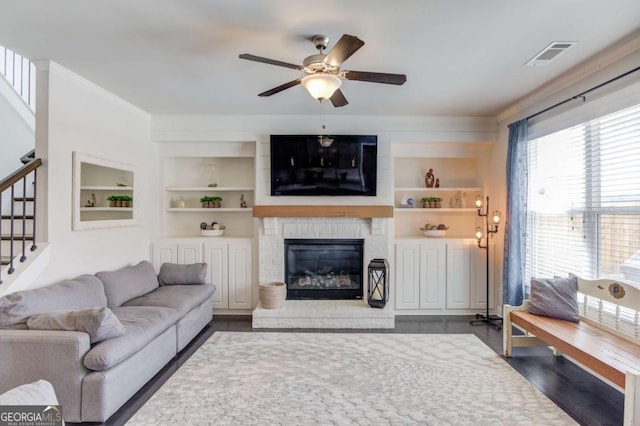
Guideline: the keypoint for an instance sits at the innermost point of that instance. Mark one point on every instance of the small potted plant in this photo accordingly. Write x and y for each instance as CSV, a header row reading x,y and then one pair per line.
x,y
112,199
126,201
438,202
217,202
428,202
205,201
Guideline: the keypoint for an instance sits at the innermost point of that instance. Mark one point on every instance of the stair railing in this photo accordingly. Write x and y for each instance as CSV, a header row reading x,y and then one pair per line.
x,y
19,177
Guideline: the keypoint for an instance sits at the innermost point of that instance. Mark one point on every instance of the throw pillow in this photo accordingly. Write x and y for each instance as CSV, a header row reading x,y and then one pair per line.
x,y
174,274
99,323
128,283
82,292
555,298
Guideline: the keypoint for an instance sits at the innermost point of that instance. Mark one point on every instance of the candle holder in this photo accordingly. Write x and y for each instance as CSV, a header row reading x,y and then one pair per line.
x,y
486,318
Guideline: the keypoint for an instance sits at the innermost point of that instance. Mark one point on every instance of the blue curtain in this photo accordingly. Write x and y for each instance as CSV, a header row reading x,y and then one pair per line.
x,y
516,214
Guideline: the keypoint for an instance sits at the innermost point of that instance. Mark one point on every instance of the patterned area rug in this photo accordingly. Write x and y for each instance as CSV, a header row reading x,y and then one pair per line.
x,y
344,379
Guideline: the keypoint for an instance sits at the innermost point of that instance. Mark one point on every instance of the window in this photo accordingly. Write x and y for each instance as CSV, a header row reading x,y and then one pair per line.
x,y
584,200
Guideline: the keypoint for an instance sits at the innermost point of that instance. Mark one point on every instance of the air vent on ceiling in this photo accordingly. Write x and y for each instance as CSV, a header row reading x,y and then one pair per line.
x,y
549,53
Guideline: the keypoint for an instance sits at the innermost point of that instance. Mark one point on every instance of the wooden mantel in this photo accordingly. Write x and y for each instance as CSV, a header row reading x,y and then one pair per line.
x,y
362,212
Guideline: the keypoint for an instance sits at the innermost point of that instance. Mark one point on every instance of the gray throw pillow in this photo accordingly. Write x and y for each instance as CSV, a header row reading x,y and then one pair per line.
x,y
85,291
174,274
555,298
129,282
99,323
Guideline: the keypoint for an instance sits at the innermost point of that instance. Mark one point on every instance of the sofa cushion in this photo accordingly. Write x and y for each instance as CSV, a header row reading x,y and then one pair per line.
x,y
182,298
142,324
129,282
99,323
85,291
175,274
36,393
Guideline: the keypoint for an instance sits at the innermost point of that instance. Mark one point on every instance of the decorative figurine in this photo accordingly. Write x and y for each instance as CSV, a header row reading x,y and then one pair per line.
x,y
437,182
92,201
429,179
243,202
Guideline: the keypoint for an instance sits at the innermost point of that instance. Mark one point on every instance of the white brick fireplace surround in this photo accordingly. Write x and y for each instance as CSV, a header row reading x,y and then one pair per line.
x,y
320,313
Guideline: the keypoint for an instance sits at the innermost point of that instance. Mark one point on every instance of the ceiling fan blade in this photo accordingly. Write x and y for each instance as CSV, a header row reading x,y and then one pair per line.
x,y
281,88
255,58
338,99
344,48
375,77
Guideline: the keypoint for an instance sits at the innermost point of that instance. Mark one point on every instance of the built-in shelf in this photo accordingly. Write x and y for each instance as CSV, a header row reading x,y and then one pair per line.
x,y
106,209
363,212
208,188
106,188
432,210
441,189
205,209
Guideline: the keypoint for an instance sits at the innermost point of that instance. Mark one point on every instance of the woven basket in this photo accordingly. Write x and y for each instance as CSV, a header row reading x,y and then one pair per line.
x,y
272,294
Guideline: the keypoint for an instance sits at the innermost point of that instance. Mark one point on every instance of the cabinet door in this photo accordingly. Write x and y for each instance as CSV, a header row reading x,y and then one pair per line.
x,y
458,275
164,253
407,280
240,275
215,256
189,253
433,277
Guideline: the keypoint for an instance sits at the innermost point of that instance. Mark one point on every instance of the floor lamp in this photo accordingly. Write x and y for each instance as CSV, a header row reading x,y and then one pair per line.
x,y
486,318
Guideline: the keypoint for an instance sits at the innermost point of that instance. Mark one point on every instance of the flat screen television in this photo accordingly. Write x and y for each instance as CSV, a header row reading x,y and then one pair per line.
x,y
301,166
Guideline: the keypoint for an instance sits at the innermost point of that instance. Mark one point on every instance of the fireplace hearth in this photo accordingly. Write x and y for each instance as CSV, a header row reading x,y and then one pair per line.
x,y
324,268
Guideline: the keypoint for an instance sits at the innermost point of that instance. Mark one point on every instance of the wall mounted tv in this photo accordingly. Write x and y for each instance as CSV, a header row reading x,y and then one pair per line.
x,y
301,166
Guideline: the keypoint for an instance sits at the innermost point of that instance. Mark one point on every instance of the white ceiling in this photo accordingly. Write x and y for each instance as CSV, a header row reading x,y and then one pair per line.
x,y
181,57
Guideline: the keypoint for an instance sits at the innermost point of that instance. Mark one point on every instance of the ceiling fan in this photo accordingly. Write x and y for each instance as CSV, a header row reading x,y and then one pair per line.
x,y
323,76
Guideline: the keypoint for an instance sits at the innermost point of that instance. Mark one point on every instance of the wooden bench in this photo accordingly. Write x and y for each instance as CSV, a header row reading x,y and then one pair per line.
x,y
606,341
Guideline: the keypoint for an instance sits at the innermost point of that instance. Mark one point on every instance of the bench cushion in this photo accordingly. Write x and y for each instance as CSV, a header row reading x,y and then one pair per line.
x,y
142,324
605,353
182,298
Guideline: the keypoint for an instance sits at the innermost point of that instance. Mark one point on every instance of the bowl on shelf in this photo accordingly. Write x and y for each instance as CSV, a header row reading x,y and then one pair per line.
x,y
212,232
435,233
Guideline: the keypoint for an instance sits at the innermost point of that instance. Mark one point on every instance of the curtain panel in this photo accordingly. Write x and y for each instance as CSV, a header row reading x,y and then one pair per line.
x,y
516,214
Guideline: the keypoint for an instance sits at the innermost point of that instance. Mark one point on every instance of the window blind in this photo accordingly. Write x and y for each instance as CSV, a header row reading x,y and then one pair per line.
x,y
584,200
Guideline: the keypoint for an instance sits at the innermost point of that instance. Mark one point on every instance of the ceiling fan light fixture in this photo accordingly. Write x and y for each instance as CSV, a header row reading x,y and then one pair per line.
x,y
321,86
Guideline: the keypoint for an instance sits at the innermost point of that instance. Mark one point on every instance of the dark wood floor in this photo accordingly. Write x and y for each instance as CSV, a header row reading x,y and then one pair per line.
x,y
588,400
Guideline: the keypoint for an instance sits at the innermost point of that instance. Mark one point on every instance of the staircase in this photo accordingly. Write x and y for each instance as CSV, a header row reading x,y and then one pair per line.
x,y
18,216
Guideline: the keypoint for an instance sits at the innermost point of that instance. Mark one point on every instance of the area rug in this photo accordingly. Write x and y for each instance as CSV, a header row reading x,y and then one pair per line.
x,y
347,379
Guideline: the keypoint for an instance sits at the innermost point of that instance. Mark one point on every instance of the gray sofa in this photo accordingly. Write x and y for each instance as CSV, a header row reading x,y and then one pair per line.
x,y
93,380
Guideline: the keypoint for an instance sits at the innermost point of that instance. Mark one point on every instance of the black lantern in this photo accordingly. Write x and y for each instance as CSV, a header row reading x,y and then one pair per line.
x,y
378,287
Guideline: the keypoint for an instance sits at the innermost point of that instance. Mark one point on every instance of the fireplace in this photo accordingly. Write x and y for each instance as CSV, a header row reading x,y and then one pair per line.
x,y
323,268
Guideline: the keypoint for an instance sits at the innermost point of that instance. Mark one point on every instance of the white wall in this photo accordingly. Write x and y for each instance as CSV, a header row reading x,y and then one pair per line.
x,y
73,114
16,130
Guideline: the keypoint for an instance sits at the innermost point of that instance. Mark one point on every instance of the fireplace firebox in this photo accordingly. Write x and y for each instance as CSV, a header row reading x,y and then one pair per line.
x,y
323,268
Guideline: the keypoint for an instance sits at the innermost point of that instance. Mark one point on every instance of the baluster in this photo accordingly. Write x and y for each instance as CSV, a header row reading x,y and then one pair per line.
x,y
0,235
35,193
24,218
11,222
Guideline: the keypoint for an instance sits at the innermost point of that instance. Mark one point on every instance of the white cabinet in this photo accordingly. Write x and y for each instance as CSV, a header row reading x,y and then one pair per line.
x,y
229,266
439,274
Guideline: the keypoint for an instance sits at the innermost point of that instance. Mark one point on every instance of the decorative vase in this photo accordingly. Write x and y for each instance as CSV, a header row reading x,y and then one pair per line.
x,y
272,294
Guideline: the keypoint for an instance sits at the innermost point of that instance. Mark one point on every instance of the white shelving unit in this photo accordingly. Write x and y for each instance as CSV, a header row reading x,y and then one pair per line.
x,y
187,174
94,180
458,189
